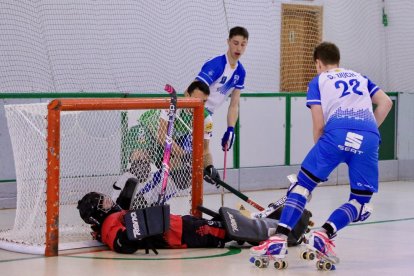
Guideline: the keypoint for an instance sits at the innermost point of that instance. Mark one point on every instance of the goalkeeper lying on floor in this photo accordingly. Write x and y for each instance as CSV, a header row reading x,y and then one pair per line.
x,y
154,227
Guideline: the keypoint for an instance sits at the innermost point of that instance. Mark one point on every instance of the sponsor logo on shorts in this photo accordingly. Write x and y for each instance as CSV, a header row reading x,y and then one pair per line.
x,y
352,143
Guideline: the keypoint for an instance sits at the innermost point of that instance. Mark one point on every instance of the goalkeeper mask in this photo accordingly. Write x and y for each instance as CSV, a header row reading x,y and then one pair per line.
x,y
95,207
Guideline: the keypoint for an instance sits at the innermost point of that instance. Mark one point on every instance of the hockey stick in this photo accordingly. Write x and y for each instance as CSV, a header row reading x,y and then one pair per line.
x,y
239,194
168,143
272,206
224,174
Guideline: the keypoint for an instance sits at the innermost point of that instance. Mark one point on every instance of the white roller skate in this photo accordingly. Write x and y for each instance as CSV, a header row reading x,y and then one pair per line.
x,y
273,249
320,246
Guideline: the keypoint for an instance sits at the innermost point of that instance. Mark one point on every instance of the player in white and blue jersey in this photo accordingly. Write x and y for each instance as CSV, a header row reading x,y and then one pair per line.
x,y
225,76
345,130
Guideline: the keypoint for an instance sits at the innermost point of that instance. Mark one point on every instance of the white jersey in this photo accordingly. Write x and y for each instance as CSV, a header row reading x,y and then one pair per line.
x,y
345,97
222,80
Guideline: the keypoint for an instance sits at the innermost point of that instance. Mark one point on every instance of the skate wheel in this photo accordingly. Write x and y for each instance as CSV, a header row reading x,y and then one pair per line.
x,y
280,265
327,266
303,255
285,264
324,265
311,223
311,256
319,265
260,263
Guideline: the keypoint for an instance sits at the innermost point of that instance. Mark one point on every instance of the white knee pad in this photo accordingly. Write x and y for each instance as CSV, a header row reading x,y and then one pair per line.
x,y
293,179
297,189
364,210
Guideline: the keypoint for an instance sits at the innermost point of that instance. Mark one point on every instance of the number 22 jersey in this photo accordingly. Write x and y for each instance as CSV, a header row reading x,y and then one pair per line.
x,y
345,97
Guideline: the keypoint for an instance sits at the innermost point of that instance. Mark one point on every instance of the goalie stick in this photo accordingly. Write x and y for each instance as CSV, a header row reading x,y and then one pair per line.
x,y
239,194
263,212
168,143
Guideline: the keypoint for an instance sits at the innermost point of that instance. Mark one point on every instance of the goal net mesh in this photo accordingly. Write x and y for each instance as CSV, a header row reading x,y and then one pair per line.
x,y
135,46
97,150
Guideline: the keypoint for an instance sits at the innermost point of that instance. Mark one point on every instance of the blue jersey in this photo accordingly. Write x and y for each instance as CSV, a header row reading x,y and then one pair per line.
x,y
222,80
345,97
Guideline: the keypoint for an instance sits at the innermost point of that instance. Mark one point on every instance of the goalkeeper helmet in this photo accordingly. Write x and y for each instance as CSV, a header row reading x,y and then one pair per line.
x,y
95,207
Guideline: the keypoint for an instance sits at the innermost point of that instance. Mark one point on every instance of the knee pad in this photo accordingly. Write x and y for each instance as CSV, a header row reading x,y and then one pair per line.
x,y
364,210
305,181
298,189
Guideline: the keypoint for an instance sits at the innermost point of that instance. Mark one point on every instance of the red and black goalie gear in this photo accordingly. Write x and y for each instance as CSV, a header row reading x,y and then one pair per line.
x,y
191,232
114,235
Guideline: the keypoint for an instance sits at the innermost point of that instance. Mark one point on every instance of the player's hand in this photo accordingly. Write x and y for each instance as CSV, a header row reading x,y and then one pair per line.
x,y
228,138
211,175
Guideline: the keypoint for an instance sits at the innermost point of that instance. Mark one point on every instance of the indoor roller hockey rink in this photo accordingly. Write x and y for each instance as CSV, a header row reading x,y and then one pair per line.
x,y
382,245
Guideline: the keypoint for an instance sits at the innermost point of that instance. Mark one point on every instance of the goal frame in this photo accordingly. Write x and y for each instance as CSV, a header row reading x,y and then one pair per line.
x,y
55,107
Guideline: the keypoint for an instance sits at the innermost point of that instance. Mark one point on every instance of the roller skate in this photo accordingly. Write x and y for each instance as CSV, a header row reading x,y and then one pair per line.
x,y
273,249
320,247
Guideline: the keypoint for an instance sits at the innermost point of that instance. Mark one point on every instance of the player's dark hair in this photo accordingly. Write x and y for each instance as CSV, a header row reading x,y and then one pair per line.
x,y
327,53
239,31
200,85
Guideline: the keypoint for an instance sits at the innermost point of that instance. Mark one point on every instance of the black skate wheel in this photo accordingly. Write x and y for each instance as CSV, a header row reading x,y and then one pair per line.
x,y
260,263
278,265
319,265
303,255
311,256
327,266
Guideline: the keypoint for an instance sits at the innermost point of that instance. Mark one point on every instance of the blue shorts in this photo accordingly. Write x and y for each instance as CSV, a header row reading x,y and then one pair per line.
x,y
358,149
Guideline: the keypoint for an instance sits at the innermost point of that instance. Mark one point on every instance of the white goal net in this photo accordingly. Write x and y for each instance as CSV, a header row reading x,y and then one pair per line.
x,y
96,148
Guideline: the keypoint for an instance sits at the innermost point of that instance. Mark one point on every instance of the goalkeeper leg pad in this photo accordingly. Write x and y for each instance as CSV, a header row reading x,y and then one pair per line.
x,y
241,228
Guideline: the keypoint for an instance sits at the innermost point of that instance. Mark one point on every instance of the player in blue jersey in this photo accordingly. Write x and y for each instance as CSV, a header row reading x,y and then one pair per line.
x,y
345,130
225,76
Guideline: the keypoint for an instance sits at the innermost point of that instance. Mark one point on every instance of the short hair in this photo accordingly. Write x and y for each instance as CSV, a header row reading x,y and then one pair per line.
x,y
200,85
239,31
327,53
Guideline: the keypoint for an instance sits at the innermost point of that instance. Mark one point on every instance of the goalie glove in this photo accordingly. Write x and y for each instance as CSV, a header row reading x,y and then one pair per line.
x,y
211,174
228,138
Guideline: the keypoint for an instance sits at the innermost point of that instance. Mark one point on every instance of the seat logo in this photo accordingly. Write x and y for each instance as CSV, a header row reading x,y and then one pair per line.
x,y
353,140
352,143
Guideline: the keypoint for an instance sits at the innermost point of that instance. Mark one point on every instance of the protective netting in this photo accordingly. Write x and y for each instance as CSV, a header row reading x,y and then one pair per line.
x,y
137,46
97,148
301,32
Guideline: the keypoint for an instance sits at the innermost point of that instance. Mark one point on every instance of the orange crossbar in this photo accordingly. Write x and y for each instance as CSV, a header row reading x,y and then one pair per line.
x,y
53,150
